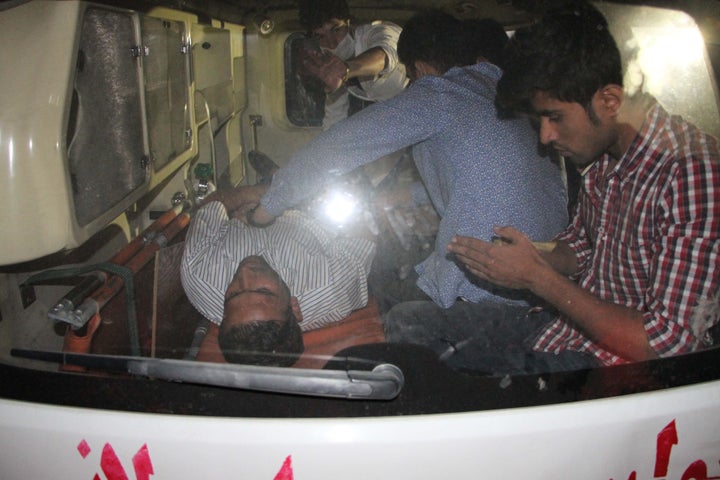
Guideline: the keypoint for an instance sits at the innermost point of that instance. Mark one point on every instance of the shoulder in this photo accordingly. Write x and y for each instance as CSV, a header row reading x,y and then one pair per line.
x,y
681,162
473,83
378,26
208,223
680,138
480,77
378,33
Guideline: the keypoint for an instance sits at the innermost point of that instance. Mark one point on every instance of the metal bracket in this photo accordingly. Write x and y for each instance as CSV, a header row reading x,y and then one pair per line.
x,y
255,121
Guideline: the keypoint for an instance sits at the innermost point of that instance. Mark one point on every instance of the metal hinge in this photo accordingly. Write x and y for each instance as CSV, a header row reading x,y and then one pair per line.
x,y
139,51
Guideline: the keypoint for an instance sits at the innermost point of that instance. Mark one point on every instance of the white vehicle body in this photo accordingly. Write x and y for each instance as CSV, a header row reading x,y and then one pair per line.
x,y
664,434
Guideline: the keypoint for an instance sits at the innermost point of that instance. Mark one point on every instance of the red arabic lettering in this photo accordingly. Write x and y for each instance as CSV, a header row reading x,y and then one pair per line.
x,y
111,466
665,441
83,449
286,471
697,471
142,464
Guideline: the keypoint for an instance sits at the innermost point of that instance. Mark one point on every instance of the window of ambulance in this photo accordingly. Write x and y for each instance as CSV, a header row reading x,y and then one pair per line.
x,y
112,328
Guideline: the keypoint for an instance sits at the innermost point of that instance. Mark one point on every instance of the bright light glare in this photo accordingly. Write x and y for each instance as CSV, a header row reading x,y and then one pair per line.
x,y
662,56
339,207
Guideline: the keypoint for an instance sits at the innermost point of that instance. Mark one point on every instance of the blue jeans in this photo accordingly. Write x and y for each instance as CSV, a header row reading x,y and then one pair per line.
x,y
493,338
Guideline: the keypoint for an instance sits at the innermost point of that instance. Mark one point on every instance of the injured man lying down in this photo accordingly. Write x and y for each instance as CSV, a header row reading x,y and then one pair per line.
x,y
265,286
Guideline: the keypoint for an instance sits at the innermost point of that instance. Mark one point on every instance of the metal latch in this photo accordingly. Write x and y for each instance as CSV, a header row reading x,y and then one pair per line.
x,y
255,121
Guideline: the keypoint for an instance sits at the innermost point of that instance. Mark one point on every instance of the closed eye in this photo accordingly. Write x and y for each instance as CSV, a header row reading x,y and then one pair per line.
x,y
261,291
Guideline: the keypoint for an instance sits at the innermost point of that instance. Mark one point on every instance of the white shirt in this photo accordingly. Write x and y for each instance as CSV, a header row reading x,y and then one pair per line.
x,y
326,272
388,83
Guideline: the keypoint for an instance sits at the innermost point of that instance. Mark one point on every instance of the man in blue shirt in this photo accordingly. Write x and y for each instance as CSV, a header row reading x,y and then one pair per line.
x,y
478,170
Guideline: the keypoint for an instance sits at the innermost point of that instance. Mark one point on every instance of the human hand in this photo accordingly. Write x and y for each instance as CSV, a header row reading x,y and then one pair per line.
x,y
328,68
239,199
512,262
241,212
259,217
250,194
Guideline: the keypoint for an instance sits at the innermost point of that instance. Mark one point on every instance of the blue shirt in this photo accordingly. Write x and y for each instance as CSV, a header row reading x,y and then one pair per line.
x,y
479,171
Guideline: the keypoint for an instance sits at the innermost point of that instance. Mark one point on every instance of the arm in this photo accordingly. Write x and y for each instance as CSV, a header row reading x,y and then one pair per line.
x,y
516,263
560,256
377,43
239,200
378,130
334,72
368,63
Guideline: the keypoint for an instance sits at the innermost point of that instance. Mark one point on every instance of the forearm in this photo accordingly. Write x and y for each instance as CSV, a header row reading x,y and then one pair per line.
x,y
368,63
356,141
617,328
239,197
560,256
516,263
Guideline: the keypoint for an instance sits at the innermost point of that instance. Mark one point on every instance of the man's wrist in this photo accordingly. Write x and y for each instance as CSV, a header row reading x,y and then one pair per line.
x,y
347,74
250,218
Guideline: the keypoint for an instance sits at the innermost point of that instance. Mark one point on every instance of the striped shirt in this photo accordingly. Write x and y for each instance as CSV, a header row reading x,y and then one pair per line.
x,y
326,272
648,237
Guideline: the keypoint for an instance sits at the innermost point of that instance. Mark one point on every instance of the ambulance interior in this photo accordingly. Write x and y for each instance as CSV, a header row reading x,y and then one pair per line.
x,y
118,118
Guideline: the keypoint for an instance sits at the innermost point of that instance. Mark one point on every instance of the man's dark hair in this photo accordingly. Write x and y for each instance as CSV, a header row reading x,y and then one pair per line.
x,y
276,343
569,54
313,13
487,37
436,38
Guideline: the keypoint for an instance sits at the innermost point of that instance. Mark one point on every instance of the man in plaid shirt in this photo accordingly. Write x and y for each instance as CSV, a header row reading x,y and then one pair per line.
x,y
635,275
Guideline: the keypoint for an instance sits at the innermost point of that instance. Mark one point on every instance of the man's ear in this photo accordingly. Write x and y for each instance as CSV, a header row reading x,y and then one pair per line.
x,y
295,306
611,98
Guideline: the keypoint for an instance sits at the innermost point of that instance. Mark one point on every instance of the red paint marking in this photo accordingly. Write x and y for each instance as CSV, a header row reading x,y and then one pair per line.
x,y
633,476
83,448
286,472
110,464
143,465
97,477
697,471
665,441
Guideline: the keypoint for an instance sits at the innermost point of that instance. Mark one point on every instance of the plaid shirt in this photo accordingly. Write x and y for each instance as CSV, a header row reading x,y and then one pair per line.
x,y
647,237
